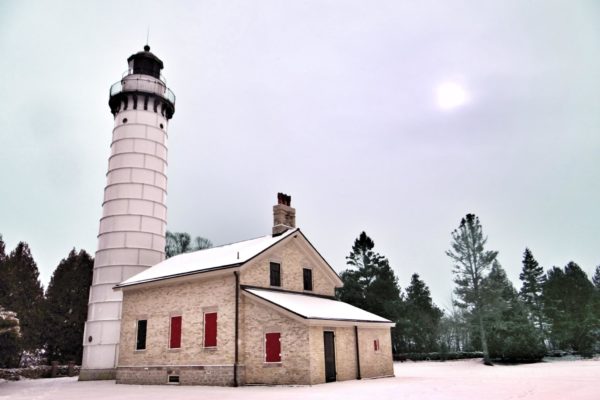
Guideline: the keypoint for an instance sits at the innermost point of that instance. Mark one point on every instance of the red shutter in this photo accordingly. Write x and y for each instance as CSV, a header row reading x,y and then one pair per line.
x,y
273,347
376,344
175,342
210,329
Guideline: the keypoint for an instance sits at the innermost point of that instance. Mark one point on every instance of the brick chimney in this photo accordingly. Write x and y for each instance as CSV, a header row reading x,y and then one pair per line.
x,y
284,216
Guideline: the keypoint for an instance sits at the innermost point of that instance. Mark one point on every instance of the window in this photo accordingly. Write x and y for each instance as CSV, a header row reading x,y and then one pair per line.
x,y
376,344
173,379
175,338
140,343
210,329
275,274
273,347
307,275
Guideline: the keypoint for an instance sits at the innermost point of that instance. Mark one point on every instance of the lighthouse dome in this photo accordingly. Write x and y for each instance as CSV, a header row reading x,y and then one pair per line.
x,y
145,63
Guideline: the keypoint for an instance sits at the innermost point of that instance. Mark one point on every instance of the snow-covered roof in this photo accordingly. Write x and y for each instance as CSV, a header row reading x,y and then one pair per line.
x,y
316,307
229,255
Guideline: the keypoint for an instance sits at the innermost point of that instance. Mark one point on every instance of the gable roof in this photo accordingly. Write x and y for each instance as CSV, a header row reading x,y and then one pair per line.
x,y
226,256
313,307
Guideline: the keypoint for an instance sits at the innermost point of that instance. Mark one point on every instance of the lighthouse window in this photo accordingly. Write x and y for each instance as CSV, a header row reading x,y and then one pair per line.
x,y
161,126
124,120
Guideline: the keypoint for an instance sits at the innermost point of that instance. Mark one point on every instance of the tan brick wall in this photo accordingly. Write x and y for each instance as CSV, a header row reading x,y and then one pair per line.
x,y
317,355
293,259
190,300
375,363
295,361
345,353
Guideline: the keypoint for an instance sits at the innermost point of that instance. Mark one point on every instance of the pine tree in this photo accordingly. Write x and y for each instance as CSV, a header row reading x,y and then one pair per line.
x,y
3,274
596,278
471,261
568,298
511,335
22,293
2,250
370,282
532,277
10,335
67,305
421,318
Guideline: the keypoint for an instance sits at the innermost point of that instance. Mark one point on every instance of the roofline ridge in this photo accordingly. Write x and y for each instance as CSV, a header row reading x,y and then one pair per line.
x,y
240,241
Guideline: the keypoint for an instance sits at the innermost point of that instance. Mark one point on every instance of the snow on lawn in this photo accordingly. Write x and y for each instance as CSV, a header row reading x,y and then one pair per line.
x,y
462,380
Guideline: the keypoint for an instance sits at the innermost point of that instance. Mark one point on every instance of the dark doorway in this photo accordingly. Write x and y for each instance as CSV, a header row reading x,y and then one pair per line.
x,y
329,344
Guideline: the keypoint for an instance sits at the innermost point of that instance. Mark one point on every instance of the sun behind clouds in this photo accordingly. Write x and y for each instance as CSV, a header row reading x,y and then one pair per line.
x,y
451,95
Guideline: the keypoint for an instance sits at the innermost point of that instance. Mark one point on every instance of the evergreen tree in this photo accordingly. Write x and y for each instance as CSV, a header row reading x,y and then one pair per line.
x,y
532,277
10,335
22,293
67,306
2,250
568,298
595,278
511,335
421,318
471,261
370,282
181,242
4,278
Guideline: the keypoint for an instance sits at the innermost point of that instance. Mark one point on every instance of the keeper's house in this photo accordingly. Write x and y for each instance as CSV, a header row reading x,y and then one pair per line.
x,y
261,311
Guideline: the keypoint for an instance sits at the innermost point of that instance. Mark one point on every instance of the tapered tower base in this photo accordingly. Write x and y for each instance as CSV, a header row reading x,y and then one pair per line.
x,y
131,237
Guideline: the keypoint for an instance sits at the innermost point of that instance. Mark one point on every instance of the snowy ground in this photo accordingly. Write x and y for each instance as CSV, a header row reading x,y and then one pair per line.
x,y
461,380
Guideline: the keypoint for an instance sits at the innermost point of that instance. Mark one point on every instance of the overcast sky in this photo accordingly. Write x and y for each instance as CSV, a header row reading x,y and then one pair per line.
x,y
336,103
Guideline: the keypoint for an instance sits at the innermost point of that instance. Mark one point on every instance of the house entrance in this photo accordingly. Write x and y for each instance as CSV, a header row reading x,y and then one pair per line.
x,y
329,345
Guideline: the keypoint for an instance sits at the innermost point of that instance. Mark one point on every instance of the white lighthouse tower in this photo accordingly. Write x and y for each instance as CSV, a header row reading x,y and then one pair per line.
x,y
134,212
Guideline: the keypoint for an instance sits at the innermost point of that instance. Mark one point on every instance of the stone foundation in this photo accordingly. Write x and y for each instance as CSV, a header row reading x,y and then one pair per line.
x,y
97,374
209,375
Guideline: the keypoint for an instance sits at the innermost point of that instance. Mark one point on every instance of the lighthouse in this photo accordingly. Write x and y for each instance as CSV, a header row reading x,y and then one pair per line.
x,y
132,230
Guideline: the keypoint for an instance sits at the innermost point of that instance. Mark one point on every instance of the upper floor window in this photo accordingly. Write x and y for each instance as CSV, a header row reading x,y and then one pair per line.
x,y
275,274
140,343
210,329
175,337
376,345
307,277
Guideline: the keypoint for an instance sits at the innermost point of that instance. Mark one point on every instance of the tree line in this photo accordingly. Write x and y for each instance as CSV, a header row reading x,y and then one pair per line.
x,y
48,325
554,310
34,323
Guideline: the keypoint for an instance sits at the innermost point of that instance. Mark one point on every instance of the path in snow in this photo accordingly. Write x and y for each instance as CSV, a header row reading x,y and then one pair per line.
x,y
457,380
